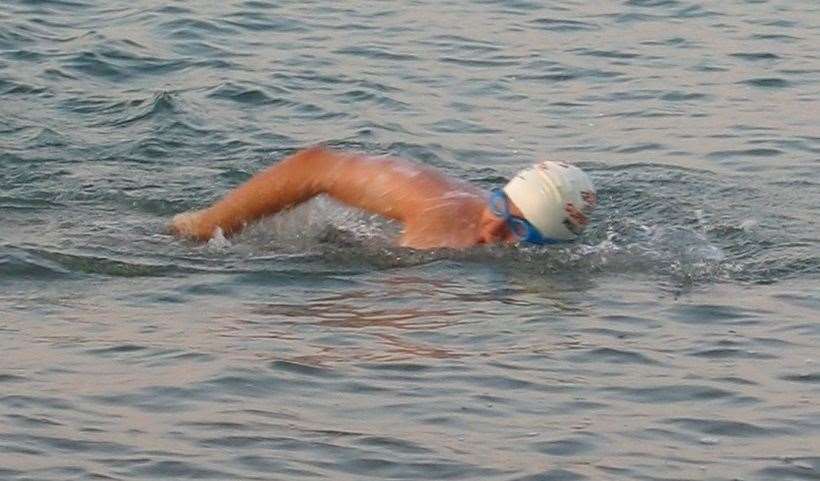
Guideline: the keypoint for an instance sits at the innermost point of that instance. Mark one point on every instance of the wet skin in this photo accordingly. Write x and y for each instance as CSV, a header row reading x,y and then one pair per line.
x,y
435,210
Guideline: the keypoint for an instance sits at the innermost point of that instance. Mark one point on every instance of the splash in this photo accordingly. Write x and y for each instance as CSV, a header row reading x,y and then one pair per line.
x,y
686,254
218,242
317,224
325,229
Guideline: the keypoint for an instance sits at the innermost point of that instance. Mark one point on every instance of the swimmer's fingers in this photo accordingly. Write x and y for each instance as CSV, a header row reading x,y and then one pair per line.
x,y
190,225
179,225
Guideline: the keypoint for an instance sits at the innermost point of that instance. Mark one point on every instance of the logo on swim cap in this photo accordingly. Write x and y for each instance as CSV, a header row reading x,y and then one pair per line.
x,y
555,197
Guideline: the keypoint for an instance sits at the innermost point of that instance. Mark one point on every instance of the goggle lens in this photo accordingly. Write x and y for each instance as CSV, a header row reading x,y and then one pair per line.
x,y
519,227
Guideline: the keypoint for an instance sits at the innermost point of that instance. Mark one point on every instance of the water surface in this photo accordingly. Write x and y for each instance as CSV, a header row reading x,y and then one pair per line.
x,y
678,340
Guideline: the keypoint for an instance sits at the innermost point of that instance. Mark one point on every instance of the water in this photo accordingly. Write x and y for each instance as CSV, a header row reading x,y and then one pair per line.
x,y
678,340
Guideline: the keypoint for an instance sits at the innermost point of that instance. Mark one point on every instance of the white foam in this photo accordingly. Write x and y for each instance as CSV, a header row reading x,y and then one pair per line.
x,y
218,241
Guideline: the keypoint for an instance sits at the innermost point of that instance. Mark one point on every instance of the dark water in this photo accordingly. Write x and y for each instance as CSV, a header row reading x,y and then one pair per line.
x,y
679,340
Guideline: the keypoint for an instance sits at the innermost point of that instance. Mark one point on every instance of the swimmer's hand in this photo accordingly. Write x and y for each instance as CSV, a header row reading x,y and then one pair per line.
x,y
192,225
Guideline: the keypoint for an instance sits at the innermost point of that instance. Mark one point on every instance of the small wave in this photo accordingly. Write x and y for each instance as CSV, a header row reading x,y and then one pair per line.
x,y
457,125
10,87
118,62
653,3
683,96
195,28
47,137
11,378
21,264
634,149
248,95
755,56
62,3
563,25
374,52
162,104
91,64
612,54
566,74
728,428
262,22
767,82
458,43
696,11
27,203
45,264
481,63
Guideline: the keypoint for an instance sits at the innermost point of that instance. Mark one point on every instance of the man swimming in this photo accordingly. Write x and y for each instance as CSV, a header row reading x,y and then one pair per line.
x,y
543,204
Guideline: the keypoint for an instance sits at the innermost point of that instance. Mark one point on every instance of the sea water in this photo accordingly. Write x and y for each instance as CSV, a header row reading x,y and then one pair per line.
x,y
678,339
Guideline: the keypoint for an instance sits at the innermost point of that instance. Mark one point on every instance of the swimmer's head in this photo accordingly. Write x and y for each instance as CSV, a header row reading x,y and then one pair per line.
x,y
556,198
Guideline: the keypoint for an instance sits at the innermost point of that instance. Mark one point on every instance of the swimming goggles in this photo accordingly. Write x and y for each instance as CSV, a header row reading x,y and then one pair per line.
x,y
526,232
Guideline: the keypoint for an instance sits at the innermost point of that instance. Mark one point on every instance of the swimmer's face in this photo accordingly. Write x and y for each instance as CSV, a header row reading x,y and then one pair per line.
x,y
499,233
494,230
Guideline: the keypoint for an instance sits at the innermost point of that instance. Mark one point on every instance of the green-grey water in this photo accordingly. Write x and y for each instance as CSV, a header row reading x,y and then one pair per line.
x,y
679,339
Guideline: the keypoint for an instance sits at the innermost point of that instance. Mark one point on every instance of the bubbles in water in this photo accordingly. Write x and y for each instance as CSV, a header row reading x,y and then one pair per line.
x,y
748,224
630,246
218,242
317,223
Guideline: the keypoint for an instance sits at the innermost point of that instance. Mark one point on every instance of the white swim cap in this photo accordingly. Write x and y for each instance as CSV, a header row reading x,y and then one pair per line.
x,y
554,197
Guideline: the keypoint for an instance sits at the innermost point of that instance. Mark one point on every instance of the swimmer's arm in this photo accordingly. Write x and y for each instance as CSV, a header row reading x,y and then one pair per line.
x,y
371,184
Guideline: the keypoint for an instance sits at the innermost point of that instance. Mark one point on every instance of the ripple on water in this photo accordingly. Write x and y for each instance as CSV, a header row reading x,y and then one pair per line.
x,y
27,265
562,25
811,378
564,447
10,87
94,66
609,355
69,445
729,428
807,468
556,474
375,52
262,22
155,399
177,469
196,29
247,95
767,82
731,353
755,56
680,393
265,464
715,314
11,378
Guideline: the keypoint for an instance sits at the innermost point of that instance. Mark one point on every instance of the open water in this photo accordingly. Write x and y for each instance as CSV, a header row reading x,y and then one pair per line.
x,y
679,340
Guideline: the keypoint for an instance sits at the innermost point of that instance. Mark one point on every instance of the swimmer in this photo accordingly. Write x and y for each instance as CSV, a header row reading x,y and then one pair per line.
x,y
546,203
